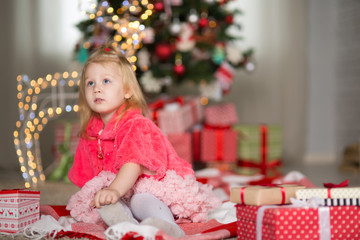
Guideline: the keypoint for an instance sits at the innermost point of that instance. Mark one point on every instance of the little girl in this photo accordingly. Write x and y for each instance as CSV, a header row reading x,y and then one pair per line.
x,y
151,185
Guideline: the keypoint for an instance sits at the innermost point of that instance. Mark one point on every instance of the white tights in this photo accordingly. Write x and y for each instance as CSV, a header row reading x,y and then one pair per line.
x,y
144,208
145,205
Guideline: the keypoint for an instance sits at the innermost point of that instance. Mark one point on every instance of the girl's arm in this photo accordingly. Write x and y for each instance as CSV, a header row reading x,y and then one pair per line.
x,y
123,182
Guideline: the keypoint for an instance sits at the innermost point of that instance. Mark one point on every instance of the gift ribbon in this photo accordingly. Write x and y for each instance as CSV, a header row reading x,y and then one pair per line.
x,y
264,149
263,165
194,111
282,189
324,216
219,136
159,104
329,186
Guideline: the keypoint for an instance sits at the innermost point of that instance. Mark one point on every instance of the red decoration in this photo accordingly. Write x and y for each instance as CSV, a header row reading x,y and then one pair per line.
x,y
179,69
203,22
332,185
159,6
229,19
163,51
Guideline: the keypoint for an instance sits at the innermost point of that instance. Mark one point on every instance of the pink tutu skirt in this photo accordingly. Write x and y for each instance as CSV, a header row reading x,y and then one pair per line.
x,y
188,199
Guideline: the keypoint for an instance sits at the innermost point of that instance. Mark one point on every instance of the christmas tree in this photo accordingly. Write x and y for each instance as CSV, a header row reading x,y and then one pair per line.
x,y
170,41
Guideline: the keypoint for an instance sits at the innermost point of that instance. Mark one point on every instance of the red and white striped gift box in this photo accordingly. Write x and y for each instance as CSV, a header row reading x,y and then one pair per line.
x,y
18,209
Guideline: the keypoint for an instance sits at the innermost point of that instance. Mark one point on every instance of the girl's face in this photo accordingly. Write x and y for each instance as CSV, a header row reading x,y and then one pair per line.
x,y
104,89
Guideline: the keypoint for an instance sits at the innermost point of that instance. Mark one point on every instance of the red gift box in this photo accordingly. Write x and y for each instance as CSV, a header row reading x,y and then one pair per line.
x,y
18,209
176,115
221,115
289,222
218,145
182,145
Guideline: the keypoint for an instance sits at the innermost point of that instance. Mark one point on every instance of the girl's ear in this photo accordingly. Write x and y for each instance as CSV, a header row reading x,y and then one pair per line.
x,y
127,96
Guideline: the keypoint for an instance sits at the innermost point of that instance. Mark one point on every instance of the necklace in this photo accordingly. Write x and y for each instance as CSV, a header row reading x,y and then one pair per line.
x,y
100,152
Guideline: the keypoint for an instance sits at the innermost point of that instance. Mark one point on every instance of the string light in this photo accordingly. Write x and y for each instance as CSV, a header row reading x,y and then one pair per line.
x,y
39,102
128,33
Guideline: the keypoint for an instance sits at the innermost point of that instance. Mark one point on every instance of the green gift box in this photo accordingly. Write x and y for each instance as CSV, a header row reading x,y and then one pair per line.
x,y
259,146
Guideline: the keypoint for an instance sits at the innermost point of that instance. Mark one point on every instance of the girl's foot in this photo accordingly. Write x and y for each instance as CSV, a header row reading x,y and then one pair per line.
x,y
116,213
171,229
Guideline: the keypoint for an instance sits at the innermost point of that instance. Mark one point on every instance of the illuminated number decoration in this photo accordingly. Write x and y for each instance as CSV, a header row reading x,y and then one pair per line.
x,y
40,100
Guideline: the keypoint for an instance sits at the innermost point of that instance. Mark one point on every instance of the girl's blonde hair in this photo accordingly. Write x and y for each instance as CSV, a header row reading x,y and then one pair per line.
x,y
109,54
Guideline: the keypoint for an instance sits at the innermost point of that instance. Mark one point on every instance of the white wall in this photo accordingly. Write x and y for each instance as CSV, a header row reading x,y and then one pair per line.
x,y
276,92
322,62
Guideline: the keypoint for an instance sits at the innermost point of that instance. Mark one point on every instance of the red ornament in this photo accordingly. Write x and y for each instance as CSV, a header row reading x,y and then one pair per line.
x,y
163,51
203,22
229,19
159,6
179,69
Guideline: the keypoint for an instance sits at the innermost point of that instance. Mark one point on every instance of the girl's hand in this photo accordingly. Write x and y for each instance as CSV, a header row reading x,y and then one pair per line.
x,y
123,182
104,197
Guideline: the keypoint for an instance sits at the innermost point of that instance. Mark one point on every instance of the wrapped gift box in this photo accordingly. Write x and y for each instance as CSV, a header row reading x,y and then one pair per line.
x,y
259,146
197,109
218,145
176,115
182,145
66,136
18,209
342,193
221,115
285,223
263,195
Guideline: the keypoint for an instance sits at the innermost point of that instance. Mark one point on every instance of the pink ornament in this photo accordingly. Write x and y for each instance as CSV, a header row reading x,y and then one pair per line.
x,y
179,69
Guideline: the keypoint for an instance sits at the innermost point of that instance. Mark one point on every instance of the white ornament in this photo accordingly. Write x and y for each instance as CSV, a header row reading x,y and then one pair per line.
x,y
193,16
150,83
233,54
250,66
175,27
186,40
143,58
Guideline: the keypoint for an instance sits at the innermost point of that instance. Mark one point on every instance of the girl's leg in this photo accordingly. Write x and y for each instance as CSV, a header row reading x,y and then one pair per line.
x,y
115,213
151,211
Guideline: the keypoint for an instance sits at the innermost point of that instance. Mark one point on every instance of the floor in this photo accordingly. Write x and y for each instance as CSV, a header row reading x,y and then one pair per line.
x,y
58,193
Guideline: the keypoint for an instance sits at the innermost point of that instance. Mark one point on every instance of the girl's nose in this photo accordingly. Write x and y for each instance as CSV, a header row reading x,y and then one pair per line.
x,y
97,89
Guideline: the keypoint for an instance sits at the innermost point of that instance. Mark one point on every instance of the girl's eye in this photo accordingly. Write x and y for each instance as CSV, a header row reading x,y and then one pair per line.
x,y
90,83
106,81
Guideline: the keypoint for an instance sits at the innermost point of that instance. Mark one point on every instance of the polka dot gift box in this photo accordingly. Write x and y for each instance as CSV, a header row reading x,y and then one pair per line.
x,y
343,192
287,222
18,209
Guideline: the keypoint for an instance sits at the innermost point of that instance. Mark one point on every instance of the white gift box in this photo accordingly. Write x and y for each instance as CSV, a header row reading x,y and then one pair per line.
x,y
18,209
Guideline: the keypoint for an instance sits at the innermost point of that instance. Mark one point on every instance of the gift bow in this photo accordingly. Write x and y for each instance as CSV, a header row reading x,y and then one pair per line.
x,y
332,185
314,202
329,186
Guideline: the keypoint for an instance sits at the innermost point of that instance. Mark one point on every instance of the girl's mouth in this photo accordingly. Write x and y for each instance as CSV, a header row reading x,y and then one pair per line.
x,y
98,100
